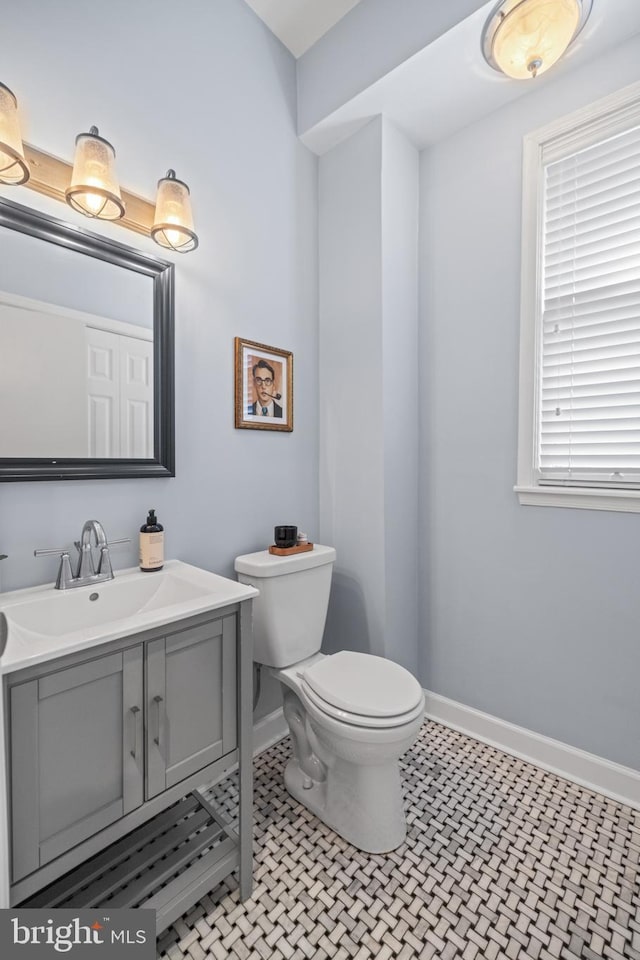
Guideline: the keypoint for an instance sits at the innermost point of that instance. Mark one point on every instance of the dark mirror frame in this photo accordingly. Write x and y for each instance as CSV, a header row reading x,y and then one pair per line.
x,y
14,216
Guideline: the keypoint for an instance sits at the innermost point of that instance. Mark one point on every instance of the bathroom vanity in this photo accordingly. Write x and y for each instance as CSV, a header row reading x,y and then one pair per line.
x,y
120,702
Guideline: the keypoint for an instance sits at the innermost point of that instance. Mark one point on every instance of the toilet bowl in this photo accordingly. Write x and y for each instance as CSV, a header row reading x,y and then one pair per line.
x,y
345,766
350,715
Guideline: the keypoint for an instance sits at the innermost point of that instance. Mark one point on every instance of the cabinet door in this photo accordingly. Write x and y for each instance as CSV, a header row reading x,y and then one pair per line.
x,y
191,701
76,755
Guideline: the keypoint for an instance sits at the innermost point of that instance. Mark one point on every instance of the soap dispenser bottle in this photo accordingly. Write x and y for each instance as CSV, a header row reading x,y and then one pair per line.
x,y
151,544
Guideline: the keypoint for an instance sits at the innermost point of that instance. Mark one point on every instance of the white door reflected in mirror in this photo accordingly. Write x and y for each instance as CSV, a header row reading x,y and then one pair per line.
x,y
73,384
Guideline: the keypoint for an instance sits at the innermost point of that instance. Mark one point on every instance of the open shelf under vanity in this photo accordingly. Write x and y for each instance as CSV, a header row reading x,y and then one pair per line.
x,y
166,864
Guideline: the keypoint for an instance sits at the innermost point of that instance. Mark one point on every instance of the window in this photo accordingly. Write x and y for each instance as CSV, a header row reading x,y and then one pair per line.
x,y
579,431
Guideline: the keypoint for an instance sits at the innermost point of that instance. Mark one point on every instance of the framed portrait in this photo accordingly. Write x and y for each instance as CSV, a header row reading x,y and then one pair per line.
x,y
264,386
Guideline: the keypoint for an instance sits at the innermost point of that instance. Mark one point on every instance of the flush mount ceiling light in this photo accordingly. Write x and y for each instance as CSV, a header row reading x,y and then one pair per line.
x,y
94,188
173,222
524,38
13,166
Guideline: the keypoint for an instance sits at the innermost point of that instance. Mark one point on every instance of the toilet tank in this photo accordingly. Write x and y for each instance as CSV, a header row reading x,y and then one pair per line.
x,y
290,613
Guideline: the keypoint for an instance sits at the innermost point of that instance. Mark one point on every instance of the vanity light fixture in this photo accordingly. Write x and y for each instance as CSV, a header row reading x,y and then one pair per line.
x,y
91,187
173,222
13,165
524,38
94,189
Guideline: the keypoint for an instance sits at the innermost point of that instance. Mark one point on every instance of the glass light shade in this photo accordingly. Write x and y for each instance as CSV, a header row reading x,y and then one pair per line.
x,y
94,189
13,166
173,221
524,39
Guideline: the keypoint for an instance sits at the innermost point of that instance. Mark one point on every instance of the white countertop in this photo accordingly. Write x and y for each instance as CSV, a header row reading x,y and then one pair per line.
x,y
40,623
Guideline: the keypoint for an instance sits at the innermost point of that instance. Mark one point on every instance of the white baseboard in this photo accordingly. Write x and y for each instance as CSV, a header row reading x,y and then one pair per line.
x,y
268,730
613,780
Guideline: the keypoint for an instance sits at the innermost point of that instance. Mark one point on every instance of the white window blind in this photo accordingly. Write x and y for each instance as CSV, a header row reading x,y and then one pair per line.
x,y
589,361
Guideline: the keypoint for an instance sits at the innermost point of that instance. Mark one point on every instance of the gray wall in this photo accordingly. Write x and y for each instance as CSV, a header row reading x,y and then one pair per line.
x,y
351,401
204,88
374,37
368,193
528,613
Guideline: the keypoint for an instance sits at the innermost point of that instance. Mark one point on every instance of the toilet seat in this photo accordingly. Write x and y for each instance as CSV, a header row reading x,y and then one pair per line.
x,y
362,689
358,719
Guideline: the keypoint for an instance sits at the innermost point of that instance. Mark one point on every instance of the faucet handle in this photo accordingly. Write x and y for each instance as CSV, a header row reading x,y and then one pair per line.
x,y
64,570
49,552
110,543
65,575
3,556
104,564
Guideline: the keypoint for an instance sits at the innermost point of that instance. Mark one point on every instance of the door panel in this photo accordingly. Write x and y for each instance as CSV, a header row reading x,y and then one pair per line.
x,y
120,395
103,386
73,739
80,752
190,678
136,390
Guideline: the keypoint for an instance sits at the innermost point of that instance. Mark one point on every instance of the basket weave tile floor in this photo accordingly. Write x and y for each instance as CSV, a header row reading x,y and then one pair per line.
x,y
502,860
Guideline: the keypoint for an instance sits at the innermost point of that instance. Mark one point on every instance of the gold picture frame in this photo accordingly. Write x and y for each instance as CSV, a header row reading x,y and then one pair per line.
x,y
263,386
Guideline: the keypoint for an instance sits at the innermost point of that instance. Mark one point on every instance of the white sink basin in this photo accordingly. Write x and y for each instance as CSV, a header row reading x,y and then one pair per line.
x,y
41,622
62,612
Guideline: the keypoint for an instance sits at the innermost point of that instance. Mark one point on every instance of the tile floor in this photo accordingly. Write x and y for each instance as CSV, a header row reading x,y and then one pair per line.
x,y
502,860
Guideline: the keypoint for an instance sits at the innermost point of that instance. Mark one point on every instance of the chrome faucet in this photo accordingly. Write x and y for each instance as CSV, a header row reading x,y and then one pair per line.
x,y
86,566
86,572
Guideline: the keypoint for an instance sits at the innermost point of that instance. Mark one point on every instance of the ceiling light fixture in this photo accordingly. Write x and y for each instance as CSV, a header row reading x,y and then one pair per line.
x,y
524,38
13,166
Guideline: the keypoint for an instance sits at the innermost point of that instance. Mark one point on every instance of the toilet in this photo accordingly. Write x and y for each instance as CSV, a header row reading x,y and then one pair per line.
x,y
351,716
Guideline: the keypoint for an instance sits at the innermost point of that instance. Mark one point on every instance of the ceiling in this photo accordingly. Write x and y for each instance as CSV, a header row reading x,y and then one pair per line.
x,y
299,23
448,84
443,87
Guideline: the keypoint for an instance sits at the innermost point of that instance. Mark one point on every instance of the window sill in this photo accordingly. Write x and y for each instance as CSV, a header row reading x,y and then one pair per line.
x,y
624,501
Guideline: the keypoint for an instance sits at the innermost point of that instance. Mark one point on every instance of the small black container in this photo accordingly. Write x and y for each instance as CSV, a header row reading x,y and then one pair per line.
x,y
285,536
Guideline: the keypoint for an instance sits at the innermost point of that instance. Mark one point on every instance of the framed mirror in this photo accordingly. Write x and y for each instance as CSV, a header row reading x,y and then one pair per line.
x,y
86,354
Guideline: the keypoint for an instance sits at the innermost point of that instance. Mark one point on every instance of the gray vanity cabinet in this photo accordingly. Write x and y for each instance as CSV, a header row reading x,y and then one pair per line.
x,y
76,755
92,742
191,702
112,751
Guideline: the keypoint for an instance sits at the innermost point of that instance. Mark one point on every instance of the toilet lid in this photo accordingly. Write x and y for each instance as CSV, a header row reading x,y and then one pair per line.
x,y
355,719
362,684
